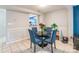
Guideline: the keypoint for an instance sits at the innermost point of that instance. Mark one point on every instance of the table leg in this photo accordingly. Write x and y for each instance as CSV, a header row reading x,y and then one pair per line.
x,y
42,44
51,46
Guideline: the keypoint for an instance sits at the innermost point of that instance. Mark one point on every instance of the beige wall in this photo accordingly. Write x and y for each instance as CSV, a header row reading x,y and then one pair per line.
x,y
18,25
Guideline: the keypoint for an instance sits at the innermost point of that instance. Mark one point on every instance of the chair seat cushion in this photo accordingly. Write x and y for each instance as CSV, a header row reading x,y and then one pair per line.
x,y
49,41
37,41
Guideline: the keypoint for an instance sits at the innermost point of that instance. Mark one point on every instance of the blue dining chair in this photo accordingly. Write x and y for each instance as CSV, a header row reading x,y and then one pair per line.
x,y
34,29
34,39
52,40
49,30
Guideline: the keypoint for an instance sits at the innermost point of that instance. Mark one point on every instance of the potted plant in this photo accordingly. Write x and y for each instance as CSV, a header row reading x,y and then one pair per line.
x,y
43,27
54,26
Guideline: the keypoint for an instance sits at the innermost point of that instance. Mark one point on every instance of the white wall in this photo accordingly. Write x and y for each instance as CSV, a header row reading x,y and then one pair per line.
x,y
2,27
42,18
60,18
18,23
63,18
70,20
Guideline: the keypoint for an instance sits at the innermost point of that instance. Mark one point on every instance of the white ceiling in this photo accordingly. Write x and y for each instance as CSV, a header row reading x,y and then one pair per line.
x,y
37,8
45,9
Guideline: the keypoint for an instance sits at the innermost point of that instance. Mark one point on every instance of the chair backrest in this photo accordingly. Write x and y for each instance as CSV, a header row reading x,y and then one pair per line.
x,y
53,35
49,30
31,35
34,29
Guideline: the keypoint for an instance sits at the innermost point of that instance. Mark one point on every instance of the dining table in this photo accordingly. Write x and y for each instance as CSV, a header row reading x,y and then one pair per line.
x,y
44,36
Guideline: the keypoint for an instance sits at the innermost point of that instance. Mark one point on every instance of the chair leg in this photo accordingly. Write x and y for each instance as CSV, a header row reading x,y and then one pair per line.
x,y
54,45
34,48
31,44
51,48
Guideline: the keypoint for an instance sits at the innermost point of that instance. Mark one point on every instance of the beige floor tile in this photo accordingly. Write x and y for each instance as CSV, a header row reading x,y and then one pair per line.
x,y
6,50
14,47
25,44
64,47
21,46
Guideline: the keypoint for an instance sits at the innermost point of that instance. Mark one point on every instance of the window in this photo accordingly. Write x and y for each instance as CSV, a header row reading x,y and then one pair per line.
x,y
33,19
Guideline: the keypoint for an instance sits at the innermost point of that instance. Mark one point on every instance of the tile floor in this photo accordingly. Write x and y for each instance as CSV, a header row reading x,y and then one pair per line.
x,y
15,47
25,44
